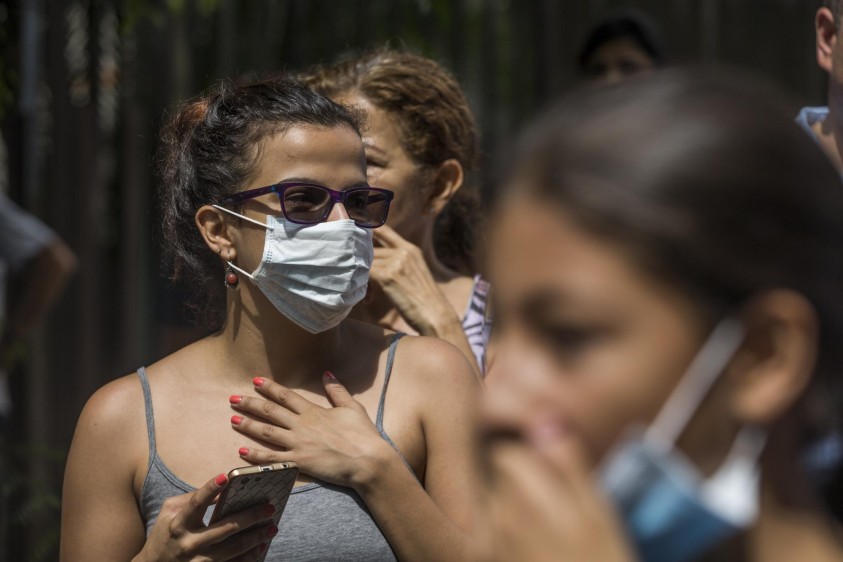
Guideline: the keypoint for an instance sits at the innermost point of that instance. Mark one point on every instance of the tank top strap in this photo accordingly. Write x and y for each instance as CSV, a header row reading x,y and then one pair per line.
x,y
390,359
150,418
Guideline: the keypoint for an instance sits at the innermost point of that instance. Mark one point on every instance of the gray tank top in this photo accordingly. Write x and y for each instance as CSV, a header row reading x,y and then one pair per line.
x,y
321,522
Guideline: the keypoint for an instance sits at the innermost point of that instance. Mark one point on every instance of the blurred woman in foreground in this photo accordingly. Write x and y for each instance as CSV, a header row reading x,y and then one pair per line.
x,y
669,292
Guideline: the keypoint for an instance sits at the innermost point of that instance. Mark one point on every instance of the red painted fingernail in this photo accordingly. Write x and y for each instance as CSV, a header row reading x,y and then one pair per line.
x,y
244,451
221,480
236,420
329,375
258,381
269,510
263,547
234,399
271,531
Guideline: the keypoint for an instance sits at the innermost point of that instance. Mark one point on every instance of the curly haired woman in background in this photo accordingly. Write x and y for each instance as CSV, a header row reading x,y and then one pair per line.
x,y
420,141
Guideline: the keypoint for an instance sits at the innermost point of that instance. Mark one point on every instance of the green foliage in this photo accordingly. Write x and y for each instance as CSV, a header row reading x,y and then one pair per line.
x,y
137,11
29,503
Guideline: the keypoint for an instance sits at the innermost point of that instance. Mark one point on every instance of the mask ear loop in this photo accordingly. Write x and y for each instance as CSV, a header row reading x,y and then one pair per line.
x,y
239,216
739,468
739,471
689,393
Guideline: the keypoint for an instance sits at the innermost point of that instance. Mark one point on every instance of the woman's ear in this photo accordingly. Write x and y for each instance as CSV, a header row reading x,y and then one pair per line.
x,y
215,230
776,361
448,179
825,27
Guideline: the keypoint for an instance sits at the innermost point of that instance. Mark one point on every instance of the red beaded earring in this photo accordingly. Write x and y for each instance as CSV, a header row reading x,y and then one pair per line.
x,y
231,278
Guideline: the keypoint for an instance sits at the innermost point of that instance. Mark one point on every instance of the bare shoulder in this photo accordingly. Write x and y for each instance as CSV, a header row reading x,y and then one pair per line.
x,y
100,517
435,364
114,415
433,352
440,390
108,403
423,366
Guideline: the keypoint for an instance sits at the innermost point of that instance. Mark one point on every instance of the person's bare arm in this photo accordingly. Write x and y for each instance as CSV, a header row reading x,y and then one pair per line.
x,y
100,518
401,271
434,522
37,285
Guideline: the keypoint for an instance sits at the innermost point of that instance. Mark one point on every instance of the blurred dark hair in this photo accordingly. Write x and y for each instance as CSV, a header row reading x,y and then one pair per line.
x,y
704,180
624,24
435,124
835,6
209,149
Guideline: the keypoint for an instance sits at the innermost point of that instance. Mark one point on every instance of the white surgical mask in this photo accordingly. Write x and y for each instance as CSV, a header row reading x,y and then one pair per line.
x,y
671,511
313,274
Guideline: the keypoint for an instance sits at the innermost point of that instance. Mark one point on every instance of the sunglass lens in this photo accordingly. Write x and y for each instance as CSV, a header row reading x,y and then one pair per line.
x,y
306,203
367,207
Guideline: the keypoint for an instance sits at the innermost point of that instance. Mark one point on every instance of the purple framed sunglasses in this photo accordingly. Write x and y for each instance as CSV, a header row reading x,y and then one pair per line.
x,y
307,203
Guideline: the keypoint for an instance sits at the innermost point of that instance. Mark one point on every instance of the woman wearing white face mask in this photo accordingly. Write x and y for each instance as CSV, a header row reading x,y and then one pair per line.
x,y
670,296
267,212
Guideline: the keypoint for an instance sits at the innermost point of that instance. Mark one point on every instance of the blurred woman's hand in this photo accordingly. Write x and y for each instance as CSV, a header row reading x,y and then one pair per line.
x,y
339,445
543,504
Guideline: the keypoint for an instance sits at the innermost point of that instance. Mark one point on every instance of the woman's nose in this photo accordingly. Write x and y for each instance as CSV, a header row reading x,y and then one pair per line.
x,y
337,213
506,404
521,389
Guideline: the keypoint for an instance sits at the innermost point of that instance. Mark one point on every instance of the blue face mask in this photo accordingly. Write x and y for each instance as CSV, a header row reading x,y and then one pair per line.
x,y
671,511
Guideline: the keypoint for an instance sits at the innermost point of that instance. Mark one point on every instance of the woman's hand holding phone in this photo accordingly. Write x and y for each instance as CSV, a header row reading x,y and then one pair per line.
x,y
180,534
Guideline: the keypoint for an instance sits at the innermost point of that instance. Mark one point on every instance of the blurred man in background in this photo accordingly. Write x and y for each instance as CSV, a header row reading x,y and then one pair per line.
x,y
38,264
826,122
621,45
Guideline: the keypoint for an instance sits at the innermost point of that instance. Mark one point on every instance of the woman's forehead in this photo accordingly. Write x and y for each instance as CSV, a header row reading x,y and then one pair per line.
x,y
331,155
537,245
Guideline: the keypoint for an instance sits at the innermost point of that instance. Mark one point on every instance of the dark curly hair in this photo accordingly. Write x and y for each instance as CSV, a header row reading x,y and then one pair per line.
x,y
208,150
435,124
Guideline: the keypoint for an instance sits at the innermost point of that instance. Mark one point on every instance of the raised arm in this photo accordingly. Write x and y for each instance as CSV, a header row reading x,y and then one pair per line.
x,y
401,271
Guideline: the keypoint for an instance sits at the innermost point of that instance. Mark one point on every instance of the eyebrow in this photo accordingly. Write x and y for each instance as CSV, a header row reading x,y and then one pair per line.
x,y
541,300
369,145
546,300
362,183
